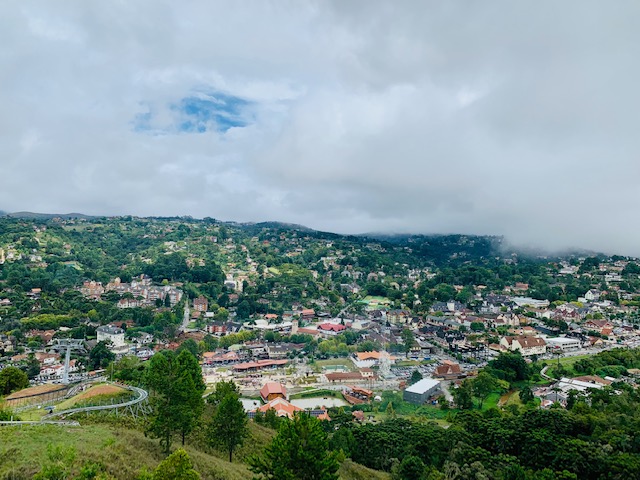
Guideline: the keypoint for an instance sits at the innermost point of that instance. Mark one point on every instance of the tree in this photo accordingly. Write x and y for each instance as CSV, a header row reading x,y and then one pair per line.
x,y
223,389
12,379
416,376
299,450
190,345
177,386
176,466
526,395
411,468
190,388
463,395
228,427
408,339
100,356
33,366
483,385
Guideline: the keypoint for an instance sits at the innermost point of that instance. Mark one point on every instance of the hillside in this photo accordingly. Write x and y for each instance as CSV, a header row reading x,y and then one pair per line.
x,y
123,452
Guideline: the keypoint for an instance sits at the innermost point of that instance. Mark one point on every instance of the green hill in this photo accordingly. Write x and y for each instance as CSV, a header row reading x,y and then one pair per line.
x,y
122,452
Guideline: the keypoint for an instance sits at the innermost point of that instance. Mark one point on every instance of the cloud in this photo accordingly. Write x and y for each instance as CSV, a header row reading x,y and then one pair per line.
x,y
434,117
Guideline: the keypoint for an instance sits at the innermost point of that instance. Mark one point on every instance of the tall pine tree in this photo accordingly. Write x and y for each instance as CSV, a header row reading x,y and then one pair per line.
x,y
299,450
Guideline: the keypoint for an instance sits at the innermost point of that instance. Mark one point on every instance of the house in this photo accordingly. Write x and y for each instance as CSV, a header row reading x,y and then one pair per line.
x,y
448,370
92,289
525,344
280,405
307,314
214,358
108,333
331,328
598,325
592,295
282,350
272,390
128,303
200,304
398,316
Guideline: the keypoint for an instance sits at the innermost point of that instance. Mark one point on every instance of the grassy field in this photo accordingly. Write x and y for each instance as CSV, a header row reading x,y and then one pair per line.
x,y
122,452
566,362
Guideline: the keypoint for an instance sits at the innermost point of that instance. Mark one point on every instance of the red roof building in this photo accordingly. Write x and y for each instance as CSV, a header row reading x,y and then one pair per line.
x,y
273,390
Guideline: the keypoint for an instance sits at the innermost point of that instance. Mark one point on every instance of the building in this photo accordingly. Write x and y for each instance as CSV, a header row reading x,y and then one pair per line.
x,y
281,407
370,359
331,328
272,390
109,333
525,344
448,370
420,392
566,344
200,304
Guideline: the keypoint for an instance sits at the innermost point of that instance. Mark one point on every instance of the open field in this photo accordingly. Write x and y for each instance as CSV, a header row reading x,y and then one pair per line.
x,y
566,362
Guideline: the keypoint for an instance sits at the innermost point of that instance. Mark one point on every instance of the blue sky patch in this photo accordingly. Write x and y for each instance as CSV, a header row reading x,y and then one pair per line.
x,y
199,113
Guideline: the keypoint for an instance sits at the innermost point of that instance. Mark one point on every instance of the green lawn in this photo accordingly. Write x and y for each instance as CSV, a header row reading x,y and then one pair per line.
x,y
491,401
566,362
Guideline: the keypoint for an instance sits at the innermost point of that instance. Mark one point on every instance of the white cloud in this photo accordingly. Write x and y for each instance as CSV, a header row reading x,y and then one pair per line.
x,y
486,117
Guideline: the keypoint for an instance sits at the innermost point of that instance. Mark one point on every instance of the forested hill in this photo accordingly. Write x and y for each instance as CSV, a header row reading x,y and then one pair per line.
x,y
279,264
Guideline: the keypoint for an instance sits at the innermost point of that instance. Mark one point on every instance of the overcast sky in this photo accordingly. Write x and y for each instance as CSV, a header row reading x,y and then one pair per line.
x,y
495,117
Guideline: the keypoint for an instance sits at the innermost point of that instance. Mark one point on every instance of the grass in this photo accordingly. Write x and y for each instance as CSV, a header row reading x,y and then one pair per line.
x,y
121,453
353,471
112,448
491,401
408,363
566,362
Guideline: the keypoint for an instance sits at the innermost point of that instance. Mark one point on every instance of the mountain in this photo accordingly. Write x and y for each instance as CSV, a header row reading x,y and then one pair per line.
x,y
49,216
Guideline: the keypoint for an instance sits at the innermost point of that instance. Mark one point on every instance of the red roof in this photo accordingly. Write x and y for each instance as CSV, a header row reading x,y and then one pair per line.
x,y
281,407
331,327
272,388
259,364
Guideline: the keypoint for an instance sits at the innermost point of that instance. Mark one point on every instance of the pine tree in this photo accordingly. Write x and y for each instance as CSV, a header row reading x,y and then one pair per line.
x,y
176,384
228,426
299,450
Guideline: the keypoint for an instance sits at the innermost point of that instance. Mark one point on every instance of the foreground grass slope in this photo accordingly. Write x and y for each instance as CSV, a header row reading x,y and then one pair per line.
x,y
122,452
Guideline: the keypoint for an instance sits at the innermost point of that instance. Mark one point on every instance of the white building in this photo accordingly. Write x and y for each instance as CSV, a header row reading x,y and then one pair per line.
x,y
421,391
109,333
566,344
525,344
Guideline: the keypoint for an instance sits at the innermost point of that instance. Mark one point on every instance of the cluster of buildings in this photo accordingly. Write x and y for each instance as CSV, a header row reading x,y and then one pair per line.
x,y
139,293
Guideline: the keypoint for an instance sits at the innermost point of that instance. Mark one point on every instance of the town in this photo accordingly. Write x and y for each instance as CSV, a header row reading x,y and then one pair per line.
x,y
305,321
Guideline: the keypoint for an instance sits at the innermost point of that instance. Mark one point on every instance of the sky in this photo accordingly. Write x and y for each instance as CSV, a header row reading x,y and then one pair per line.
x,y
497,117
